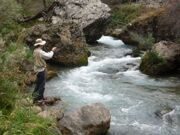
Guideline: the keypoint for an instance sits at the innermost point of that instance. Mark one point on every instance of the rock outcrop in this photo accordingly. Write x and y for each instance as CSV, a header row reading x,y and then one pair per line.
x,y
67,37
87,13
163,59
163,23
89,120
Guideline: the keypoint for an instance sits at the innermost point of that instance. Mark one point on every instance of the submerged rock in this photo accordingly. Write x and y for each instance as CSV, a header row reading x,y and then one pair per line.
x,y
163,59
67,37
89,120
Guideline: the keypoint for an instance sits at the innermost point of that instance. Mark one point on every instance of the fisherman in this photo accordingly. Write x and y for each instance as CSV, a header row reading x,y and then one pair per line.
x,y
40,69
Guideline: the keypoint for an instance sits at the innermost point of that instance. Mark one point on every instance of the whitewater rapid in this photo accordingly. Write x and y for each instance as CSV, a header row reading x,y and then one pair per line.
x,y
113,78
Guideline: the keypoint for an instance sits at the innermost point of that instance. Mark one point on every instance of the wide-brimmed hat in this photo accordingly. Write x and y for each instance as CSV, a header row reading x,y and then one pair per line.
x,y
39,41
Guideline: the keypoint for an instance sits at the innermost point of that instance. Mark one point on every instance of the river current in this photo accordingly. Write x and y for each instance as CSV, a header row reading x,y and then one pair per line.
x,y
138,103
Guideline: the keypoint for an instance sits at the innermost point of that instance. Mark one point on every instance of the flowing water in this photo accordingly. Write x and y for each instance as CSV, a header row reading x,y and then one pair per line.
x,y
134,99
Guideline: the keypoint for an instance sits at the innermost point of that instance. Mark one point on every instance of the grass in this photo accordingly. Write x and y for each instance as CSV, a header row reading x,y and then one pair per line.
x,y
124,14
23,121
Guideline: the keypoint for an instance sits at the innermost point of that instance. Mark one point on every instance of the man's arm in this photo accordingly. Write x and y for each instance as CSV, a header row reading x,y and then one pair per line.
x,y
46,55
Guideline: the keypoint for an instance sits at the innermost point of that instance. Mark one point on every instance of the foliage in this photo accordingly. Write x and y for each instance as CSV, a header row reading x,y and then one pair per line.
x,y
10,10
13,54
145,42
23,121
15,118
125,14
8,90
153,64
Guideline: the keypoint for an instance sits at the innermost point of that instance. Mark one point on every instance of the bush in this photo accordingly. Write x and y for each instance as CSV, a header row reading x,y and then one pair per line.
x,y
153,64
8,89
10,10
125,13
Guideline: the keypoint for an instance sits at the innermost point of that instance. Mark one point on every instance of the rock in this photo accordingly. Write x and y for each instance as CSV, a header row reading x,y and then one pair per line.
x,y
30,78
162,23
163,59
67,37
50,114
172,118
36,109
51,74
26,101
51,100
88,13
89,120
168,50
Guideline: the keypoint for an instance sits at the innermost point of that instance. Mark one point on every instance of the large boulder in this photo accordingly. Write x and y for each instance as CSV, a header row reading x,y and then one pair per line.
x,y
87,13
89,120
163,59
67,37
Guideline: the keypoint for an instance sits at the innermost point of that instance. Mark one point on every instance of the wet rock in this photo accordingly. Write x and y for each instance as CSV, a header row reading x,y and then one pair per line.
x,y
161,113
51,74
173,117
52,100
89,120
67,37
163,59
90,14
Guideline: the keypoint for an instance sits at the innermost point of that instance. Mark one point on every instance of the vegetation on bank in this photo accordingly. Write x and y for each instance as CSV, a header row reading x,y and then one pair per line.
x,y
15,117
124,14
153,64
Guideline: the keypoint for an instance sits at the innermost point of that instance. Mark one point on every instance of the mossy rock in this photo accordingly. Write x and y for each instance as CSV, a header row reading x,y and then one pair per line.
x,y
83,60
153,64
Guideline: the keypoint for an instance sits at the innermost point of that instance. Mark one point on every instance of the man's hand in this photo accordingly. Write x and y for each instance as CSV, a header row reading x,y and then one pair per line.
x,y
54,48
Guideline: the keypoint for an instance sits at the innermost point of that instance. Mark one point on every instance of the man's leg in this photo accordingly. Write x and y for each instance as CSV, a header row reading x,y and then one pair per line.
x,y
42,85
35,92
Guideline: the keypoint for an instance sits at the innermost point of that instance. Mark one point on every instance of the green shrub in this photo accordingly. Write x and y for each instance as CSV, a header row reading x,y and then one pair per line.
x,y
153,64
14,53
10,10
125,14
8,89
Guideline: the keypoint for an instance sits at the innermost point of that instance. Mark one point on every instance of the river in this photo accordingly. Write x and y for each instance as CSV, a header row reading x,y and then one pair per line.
x,y
113,78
